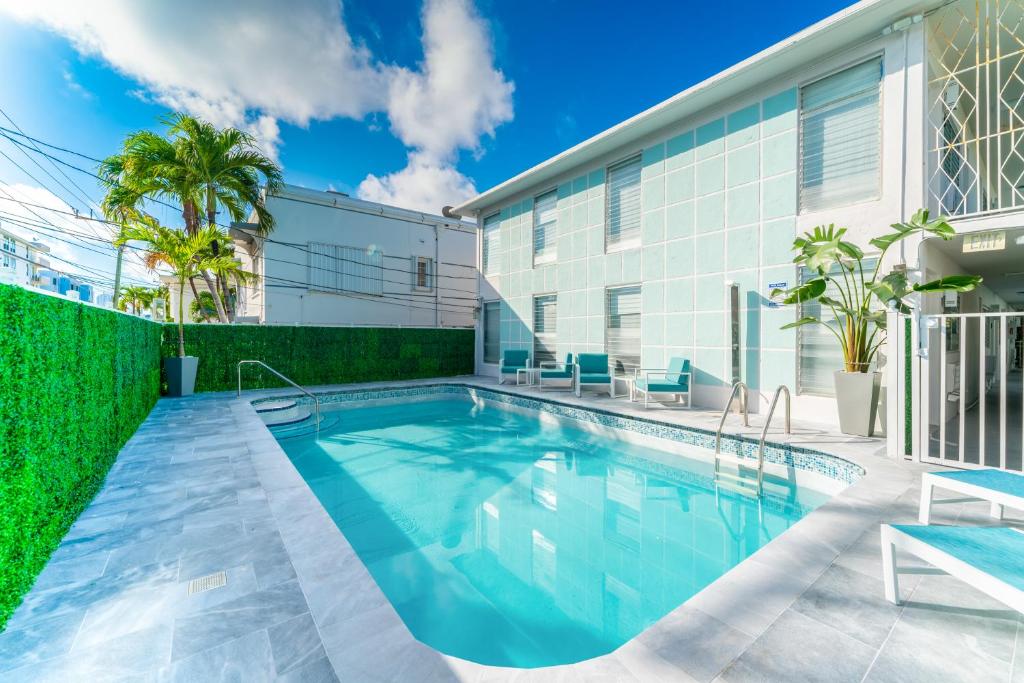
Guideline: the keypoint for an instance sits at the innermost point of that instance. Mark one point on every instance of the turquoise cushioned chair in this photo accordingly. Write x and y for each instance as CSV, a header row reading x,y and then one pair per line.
x,y
673,380
592,370
513,360
552,371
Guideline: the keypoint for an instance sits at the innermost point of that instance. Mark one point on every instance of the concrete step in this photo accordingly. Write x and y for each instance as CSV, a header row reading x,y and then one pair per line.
x,y
272,406
286,416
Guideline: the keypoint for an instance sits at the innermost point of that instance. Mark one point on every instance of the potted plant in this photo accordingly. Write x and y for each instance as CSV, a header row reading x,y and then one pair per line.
x,y
857,298
187,255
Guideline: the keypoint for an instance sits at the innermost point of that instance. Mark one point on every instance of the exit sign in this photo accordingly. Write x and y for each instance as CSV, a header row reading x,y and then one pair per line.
x,y
994,240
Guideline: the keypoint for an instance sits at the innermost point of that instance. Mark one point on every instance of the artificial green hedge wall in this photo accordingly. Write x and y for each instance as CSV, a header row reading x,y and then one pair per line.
x,y
321,355
75,383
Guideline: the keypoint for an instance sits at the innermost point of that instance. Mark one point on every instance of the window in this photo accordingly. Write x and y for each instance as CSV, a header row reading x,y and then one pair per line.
x,y
345,270
840,137
818,354
622,204
491,244
622,328
492,332
9,247
545,328
545,228
423,276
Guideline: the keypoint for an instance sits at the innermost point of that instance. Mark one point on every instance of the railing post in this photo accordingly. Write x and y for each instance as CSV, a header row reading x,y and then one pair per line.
x,y
893,381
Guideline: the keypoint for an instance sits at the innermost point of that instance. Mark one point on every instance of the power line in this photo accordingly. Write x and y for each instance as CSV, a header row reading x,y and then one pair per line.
x,y
51,146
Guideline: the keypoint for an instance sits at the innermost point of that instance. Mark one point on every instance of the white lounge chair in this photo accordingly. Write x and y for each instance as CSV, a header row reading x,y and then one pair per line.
x,y
999,487
987,558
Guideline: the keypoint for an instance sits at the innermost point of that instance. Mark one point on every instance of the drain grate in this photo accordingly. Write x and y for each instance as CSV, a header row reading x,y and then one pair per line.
x,y
207,583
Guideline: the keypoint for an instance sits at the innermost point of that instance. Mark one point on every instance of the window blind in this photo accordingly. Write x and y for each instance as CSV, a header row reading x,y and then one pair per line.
x,y
545,328
545,227
818,351
622,222
491,244
622,328
345,270
492,331
840,137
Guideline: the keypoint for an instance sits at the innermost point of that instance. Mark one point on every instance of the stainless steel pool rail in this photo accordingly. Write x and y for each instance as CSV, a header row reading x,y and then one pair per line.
x,y
738,482
316,401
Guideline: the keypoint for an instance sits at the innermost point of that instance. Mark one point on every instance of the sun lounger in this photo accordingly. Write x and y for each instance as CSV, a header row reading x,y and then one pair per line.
x,y
999,487
987,558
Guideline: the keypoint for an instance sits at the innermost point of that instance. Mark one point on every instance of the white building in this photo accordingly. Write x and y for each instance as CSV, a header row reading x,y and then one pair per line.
x,y
664,235
335,260
20,258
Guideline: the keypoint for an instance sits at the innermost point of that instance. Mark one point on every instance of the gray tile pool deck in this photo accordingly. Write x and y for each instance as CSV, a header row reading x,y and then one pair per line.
x,y
203,487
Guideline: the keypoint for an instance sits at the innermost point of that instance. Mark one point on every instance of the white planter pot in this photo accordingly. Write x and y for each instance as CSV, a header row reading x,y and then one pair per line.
x,y
857,400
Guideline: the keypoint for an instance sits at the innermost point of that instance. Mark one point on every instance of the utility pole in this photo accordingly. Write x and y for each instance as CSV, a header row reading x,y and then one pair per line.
x,y
117,276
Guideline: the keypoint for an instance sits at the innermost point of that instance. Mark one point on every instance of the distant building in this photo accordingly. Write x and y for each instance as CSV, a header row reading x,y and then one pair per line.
x,y
20,259
335,260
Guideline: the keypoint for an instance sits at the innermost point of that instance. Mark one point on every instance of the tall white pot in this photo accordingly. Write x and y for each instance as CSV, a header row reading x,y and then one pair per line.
x,y
857,400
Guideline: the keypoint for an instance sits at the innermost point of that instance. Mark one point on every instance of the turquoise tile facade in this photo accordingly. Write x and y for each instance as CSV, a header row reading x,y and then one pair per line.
x,y
718,206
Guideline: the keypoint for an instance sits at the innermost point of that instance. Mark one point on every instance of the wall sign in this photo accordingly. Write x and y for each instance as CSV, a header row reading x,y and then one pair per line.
x,y
994,240
772,286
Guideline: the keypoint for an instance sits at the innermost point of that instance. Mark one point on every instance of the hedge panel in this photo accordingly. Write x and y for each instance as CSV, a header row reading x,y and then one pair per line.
x,y
321,355
75,383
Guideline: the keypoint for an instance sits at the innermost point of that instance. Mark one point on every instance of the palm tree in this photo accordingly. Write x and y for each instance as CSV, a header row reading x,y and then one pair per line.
x,y
135,296
185,253
198,166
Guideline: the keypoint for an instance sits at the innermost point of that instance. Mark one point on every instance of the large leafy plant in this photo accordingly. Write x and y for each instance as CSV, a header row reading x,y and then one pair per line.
x,y
859,296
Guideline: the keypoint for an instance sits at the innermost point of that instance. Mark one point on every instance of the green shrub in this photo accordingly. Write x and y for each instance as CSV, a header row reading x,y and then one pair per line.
x,y
322,355
75,383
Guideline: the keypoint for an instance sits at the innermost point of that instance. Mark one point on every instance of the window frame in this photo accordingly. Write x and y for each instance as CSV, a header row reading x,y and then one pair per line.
x,y
633,242
607,328
553,346
877,194
488,264
483,334
429,276
550,255
338,272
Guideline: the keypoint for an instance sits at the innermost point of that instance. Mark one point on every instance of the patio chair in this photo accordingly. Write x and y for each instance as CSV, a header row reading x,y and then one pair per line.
x,y
556,372
672,380
592,370
999,487
512,361
987,558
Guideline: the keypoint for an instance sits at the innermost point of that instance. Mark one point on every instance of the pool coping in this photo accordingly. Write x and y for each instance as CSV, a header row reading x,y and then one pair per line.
x,y
364,635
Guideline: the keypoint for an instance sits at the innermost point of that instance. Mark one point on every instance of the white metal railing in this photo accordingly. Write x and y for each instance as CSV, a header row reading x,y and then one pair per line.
x,y
316,401
956,373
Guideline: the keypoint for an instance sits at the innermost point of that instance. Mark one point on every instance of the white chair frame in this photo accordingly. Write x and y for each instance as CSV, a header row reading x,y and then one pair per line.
x,y
649,372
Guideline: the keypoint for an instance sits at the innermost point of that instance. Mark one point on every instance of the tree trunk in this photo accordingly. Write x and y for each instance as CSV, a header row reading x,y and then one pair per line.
x,y
181,315
221,315
211,218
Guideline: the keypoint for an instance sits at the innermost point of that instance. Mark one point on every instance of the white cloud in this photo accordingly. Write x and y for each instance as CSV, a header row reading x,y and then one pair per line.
x,y
76,245
257,63
424,184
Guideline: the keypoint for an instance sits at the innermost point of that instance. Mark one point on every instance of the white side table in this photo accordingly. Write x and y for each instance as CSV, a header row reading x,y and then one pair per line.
x,y
629,385
529,373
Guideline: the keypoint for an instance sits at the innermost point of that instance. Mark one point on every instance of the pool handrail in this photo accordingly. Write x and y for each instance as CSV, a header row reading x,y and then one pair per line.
x,y
764,432
316,401
725,413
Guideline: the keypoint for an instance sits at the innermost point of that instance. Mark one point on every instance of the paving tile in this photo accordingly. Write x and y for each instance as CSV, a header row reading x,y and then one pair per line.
x,y
682,639
256,611
949,631
295,643
245,659
798,648
131,657
73,570
39,640
852,603
316,671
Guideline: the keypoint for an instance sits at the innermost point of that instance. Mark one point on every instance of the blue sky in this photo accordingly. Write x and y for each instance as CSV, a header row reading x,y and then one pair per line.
x,y
415,104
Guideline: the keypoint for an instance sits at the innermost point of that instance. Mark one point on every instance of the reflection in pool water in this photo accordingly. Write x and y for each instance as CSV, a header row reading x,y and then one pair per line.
x,y
510,541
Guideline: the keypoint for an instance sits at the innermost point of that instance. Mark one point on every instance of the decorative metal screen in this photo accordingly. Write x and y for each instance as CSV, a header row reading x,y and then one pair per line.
x,y
492,331
345,270
976,106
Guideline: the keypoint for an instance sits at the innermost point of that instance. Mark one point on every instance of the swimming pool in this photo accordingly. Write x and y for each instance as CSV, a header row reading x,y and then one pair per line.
x,y
509,537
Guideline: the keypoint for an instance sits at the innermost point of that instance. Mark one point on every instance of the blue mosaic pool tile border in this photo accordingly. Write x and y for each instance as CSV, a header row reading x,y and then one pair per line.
x,y
787,455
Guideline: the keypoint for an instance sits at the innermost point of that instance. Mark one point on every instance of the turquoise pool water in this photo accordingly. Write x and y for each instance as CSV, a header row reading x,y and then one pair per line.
x,y
507,540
